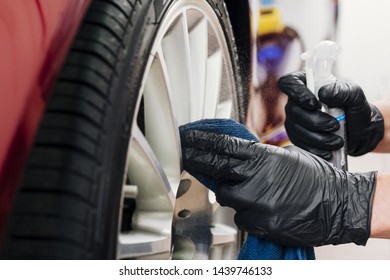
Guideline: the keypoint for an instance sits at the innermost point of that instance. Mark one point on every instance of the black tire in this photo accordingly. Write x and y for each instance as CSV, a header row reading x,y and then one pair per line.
x,y
67,206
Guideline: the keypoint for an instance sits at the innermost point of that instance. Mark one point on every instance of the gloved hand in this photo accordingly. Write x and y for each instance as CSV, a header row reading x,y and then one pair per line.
x,y
288,196
312,130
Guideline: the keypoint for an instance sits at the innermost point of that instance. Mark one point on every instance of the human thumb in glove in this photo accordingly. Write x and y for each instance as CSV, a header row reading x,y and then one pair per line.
x,y
313,130
288,196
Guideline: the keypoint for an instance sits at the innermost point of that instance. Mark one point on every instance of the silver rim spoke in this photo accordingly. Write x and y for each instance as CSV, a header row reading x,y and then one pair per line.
x,y
213,83
146,172
142,244
152,191
160,127
176,51
199,52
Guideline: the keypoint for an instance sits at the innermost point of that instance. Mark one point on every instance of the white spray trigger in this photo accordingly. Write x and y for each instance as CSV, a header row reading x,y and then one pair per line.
x,y
319,64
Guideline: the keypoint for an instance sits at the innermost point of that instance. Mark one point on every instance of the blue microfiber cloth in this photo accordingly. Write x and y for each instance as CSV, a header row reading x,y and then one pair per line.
x,y
254,248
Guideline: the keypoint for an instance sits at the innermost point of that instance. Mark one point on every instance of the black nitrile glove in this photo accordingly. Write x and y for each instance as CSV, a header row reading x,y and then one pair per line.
x,y
312,130
288,196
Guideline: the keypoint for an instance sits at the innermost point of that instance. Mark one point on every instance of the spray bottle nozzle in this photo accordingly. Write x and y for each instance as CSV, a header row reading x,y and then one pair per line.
x,y
319,64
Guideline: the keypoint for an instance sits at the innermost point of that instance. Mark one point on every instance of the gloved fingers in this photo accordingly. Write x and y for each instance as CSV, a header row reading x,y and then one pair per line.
x,y
294,86
246,221
227,195
326,155
318,140
238,196
312,120
216,166
220,143
341,94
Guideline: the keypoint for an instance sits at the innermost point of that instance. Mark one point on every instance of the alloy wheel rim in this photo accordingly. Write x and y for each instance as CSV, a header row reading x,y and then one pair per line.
x,y
188,77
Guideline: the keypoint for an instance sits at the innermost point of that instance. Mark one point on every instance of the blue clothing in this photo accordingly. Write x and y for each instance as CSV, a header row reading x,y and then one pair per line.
x,y
254,248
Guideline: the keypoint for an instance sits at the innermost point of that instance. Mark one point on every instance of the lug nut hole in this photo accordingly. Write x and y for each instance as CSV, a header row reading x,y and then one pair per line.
x,y
185,213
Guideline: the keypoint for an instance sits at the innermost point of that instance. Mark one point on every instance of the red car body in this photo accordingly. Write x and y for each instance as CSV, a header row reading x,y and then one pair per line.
x,y
34,38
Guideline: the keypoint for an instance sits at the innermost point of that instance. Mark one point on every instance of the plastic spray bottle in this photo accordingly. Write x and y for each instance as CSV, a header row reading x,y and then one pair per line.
x,y
319,64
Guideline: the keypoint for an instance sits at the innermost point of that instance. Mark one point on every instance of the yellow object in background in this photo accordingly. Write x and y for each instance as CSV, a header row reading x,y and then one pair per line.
x,y
270,21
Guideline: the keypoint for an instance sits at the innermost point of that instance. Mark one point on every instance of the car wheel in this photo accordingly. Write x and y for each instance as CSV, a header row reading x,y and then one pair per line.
x,y
104,178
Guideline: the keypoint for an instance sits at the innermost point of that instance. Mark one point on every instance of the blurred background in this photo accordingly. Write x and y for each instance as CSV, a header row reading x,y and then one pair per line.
x,y
285,29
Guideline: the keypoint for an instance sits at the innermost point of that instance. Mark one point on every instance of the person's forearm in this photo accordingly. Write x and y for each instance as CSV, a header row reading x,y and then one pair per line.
x,y
384,145
380,219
